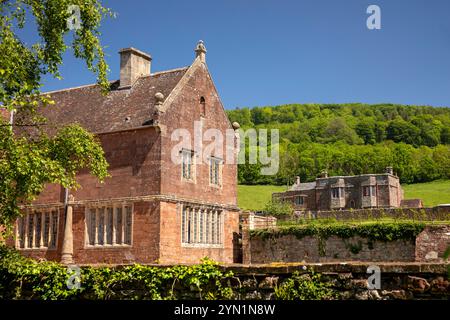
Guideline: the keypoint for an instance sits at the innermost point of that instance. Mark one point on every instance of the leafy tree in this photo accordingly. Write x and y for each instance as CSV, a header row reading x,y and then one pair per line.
x,y
400,130
366,130
29,160
278,208
445,135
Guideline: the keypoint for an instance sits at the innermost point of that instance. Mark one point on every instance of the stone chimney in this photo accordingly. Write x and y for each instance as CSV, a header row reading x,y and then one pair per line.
x,y
390,170
324,174
133,64
200,51
297,180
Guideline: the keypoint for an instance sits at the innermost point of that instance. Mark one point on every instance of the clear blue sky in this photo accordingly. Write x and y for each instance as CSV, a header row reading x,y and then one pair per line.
x,y
270,52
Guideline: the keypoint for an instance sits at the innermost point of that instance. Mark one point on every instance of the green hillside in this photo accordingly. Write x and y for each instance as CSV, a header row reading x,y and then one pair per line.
x,y
432,193
255,197
350,139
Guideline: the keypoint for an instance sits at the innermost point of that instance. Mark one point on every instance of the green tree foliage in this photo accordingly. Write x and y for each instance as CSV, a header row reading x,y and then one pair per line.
x,y
278,208
30,159
305,286
350,139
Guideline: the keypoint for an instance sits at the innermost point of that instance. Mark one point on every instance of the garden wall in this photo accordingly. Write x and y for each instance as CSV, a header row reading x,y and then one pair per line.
x,y
348,281
429,245
439,213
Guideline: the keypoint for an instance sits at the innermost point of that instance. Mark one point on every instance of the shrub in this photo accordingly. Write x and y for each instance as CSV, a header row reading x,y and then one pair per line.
x,y
304,287
278,208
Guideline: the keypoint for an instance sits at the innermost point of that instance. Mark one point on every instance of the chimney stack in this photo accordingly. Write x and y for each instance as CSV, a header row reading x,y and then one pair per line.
x,y
390,170
133,64
297,180
324,174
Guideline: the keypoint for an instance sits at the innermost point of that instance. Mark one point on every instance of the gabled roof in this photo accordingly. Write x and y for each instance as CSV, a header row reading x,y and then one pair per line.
x,y
120,109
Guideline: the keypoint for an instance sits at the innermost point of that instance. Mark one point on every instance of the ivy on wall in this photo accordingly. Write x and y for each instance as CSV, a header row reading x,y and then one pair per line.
x,y
376,231
24,278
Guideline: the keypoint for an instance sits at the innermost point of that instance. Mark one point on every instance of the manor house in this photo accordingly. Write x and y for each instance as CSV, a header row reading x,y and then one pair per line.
x,y
152,209
345,192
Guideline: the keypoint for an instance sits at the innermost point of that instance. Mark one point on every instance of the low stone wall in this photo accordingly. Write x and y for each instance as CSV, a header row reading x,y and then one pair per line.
x,y
252,221
439,213
349,281
432,243
429,245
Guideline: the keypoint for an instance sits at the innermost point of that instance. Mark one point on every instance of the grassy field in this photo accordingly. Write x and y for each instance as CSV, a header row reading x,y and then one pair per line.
x,y
256,197
432,193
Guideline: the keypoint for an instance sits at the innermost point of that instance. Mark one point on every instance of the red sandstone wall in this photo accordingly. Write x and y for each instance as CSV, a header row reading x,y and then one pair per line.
x,y
429,246
432,243
144,248
134,158
4,114
50,254
171,249
290,249
183,112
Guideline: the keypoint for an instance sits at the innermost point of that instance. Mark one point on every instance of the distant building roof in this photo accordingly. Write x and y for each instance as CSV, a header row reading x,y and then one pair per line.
x,y
303,186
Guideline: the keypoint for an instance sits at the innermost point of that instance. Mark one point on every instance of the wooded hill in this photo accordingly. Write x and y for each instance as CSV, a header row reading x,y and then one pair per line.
x,y
347,139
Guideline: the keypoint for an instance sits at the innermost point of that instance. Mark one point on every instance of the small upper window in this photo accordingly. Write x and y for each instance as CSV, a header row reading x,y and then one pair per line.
x,y
214,171
187,165
337,193
203,106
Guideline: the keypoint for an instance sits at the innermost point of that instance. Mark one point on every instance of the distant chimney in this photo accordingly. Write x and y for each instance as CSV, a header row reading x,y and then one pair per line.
x,y
133,64
390,170
200,51
297,180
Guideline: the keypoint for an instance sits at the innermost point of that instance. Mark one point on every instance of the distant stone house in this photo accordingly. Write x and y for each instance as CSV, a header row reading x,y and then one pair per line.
x,y
345,192
151,209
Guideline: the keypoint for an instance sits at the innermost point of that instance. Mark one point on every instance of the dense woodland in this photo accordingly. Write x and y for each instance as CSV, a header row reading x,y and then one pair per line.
x,y
347,139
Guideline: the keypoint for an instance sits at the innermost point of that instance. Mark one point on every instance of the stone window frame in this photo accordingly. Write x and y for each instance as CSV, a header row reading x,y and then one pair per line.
x,y
372,191
300,203
208,219
103,208
202,106
192,172
219,167
340,192
23,229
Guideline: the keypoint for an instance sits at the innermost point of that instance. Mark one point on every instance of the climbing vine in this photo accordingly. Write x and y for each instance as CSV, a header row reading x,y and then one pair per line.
x,y
376,231
305,287
22,277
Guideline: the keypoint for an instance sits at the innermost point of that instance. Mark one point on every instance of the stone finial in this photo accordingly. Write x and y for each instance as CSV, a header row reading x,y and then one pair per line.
x,y
159,98
297,180
324,174
200,51
236,125
390,170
